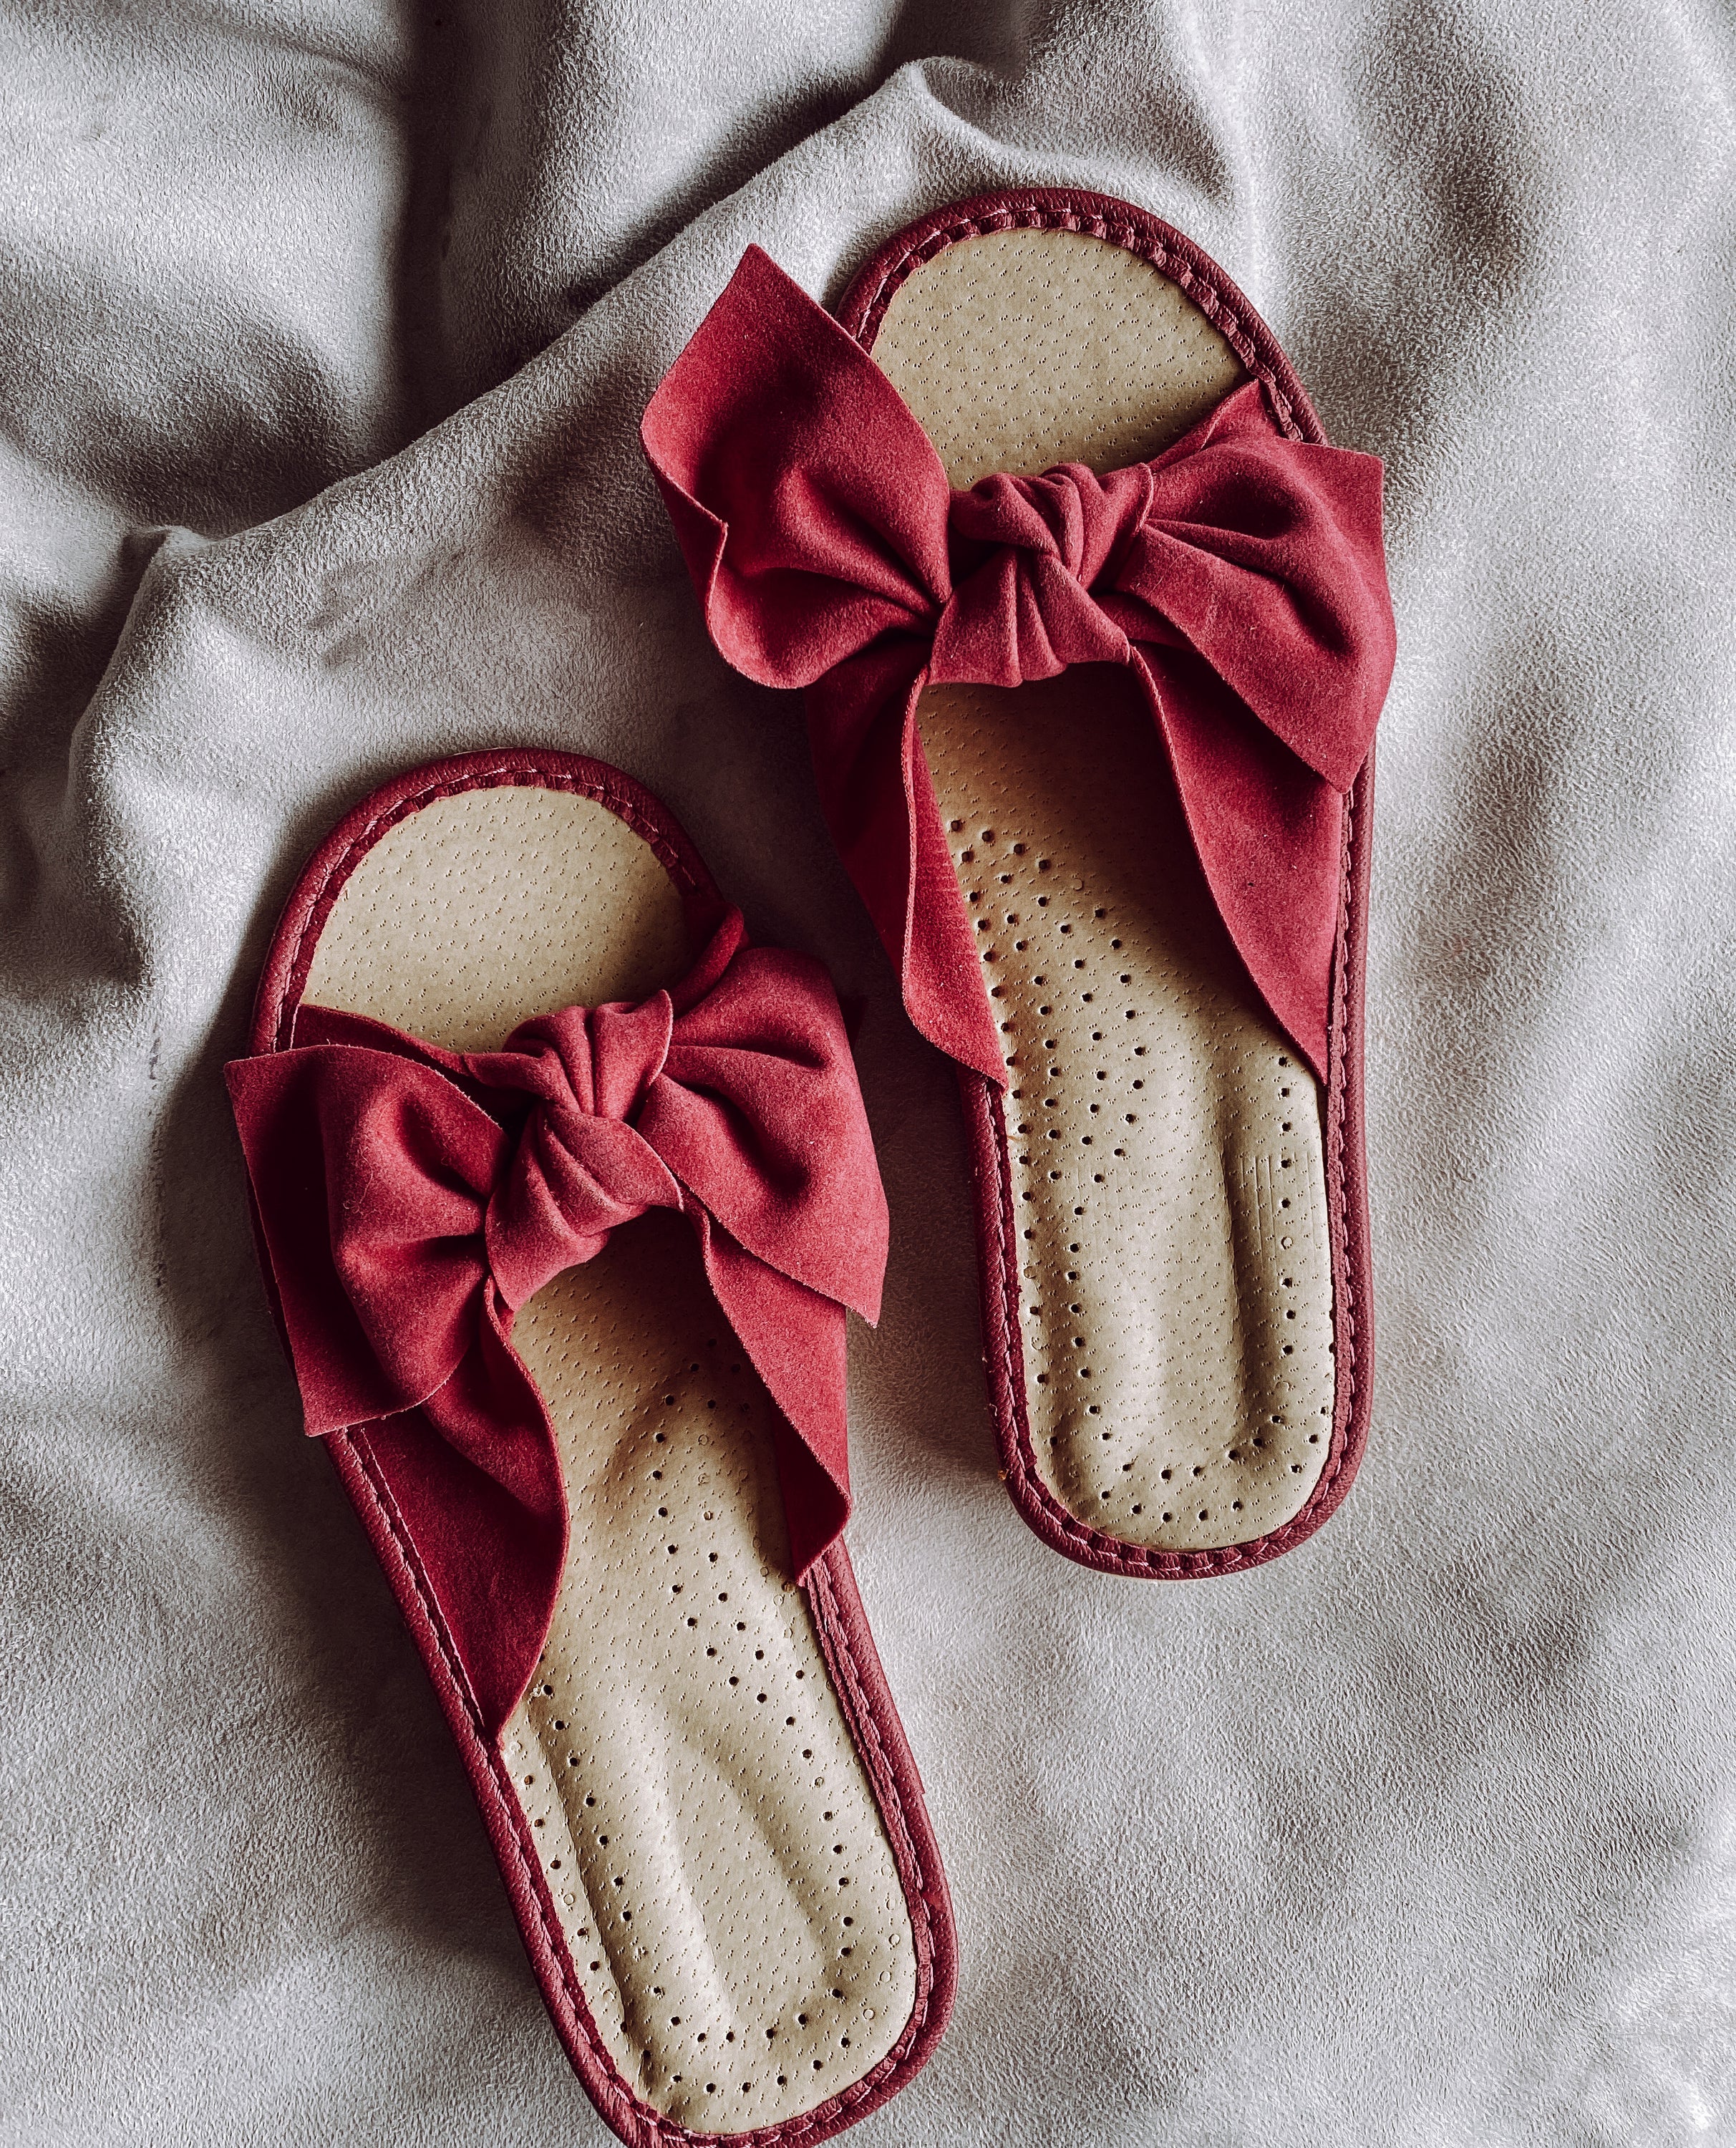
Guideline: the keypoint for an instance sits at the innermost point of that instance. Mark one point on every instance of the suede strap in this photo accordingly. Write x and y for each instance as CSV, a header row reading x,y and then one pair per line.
x,y
1239,574
410,1199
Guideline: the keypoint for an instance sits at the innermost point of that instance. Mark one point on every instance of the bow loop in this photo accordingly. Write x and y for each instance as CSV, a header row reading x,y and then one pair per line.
x,y
1263,555
809,507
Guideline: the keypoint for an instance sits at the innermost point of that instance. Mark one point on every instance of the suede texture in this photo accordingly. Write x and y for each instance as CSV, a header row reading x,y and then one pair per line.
x,y
1241,574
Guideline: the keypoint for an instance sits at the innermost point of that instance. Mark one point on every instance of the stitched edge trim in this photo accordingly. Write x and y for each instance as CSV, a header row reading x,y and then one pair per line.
x,y
1053,1521
1347,1217
862,311
863,1698
323,880
1095,216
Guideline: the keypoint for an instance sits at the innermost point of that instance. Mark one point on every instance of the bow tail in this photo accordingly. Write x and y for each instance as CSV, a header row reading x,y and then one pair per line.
x,y
1269,835
485,1506
428,1382
795,1339
879,801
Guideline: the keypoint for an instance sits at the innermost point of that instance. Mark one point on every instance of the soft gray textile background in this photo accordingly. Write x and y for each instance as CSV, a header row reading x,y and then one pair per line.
x,y
327,326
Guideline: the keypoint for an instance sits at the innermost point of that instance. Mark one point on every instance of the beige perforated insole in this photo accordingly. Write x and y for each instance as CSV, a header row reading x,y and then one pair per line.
x,y
724,1878
1168,1173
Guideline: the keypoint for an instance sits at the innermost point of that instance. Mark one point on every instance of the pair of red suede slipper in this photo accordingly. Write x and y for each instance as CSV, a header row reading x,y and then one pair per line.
x,y
562,1188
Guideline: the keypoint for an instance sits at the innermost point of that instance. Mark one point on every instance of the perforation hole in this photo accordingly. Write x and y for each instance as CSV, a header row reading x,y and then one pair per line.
x,y
1060,1158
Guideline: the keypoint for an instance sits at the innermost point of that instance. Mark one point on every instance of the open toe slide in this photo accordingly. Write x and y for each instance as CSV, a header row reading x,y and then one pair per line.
x,y
1094,632
561,1189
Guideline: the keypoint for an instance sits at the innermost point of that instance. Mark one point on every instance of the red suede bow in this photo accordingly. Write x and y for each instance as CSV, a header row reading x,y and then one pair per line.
x,y
410,1199
1240,574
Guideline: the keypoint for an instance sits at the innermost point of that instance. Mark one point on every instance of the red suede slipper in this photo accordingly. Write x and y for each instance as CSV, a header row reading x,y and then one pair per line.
x,y
1094,631
561,1189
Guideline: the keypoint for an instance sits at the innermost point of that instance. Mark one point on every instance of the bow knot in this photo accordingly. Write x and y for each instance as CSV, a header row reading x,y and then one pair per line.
x,y
579,1168
1025,555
